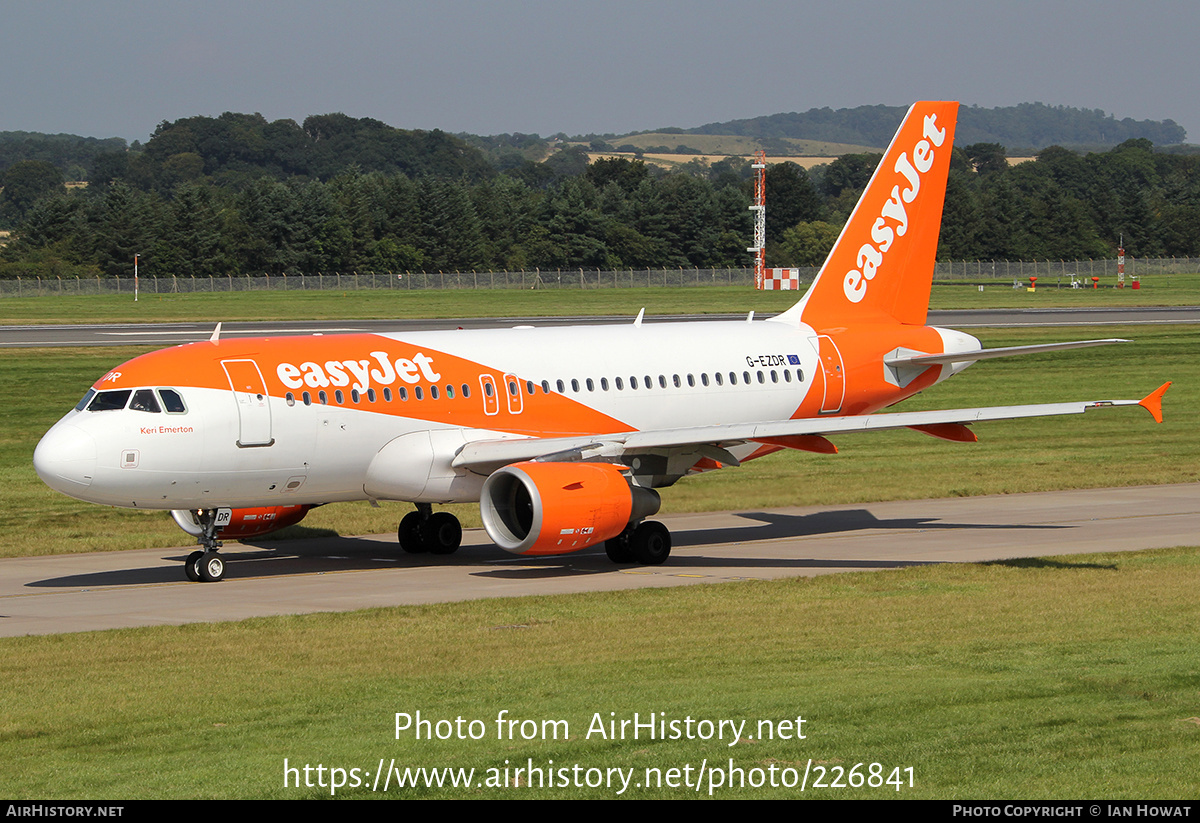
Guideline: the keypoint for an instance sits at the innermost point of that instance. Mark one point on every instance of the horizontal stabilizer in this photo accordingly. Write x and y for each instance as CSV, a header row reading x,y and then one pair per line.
x,y
988,354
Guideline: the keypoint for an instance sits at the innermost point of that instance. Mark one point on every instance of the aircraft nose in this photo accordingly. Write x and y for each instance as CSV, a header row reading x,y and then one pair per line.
x,y
65,459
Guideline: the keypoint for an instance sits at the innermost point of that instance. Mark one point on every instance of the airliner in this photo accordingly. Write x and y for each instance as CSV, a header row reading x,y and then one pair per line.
x,y
562,435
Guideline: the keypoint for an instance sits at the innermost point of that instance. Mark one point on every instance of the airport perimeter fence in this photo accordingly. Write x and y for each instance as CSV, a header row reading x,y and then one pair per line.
x,y
1049,272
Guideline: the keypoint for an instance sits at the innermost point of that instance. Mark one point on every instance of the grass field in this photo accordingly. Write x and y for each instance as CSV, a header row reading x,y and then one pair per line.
x,y
1069,678
1065,678
1164,290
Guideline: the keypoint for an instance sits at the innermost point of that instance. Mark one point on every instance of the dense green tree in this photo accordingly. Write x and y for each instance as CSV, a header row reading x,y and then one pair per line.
x,y
23,184
806,244
792,199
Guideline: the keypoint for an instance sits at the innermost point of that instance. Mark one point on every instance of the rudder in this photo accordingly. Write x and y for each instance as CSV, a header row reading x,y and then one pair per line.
x,y
881,266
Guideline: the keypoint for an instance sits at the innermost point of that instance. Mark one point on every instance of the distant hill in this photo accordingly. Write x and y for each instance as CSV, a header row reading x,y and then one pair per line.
x,y
1031,126
657,142
237,147
70,153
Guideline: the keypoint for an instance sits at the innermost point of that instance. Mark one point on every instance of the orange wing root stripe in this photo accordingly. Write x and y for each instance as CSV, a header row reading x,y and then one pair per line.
x,y
1153,401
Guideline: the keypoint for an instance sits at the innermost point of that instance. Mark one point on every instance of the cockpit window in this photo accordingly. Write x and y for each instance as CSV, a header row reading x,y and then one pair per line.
x,y
82,404
110,400
144,401
172,401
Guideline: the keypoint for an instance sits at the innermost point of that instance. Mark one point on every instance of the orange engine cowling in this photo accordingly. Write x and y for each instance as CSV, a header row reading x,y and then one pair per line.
x,y
556,508
251,522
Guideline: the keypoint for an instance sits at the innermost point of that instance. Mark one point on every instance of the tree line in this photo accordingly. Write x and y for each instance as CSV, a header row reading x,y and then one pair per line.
x,y
218,198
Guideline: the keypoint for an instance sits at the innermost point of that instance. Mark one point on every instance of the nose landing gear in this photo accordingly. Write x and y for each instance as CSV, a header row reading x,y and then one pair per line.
x,y
207,566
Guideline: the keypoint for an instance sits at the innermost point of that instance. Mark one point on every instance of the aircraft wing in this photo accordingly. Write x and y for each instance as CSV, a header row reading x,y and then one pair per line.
x,y
713,441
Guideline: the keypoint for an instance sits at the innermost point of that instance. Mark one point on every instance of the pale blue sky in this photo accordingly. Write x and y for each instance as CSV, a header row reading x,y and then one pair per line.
x,y
118,68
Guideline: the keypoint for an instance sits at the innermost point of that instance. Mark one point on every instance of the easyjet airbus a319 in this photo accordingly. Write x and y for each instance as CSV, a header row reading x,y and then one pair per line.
x,y
561,434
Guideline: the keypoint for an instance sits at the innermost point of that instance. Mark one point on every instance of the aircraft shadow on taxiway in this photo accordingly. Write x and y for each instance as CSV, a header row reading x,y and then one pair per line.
x,y
344,554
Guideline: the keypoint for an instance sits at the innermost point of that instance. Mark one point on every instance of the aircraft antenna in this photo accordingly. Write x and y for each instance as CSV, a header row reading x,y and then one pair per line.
x,y
759,208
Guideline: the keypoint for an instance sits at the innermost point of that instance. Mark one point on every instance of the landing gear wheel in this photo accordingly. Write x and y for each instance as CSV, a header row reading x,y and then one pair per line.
x,y
191,566
618,548
212,567
442,533
650,543
409,533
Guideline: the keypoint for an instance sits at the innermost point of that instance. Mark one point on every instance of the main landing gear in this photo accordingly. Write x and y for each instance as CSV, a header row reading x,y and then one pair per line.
x,y
426,531
206,566
648,543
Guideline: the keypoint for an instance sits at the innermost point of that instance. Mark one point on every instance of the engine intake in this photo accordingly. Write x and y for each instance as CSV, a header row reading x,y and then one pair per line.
x,y
556,508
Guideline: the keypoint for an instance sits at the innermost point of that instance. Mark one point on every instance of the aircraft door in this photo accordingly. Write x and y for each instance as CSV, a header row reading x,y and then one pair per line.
x,y
835,375
253,402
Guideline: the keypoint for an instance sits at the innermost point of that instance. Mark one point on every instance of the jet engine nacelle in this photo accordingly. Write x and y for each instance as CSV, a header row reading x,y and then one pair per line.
x,y
556,508
243,523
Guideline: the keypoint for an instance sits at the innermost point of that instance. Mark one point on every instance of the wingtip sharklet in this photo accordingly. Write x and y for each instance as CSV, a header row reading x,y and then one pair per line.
x,y
1153,401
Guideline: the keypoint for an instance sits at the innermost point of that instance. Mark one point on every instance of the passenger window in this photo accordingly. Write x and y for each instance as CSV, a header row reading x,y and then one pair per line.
x,y
110,400
387,395
466,390
307,398
290,398
144,401
449,392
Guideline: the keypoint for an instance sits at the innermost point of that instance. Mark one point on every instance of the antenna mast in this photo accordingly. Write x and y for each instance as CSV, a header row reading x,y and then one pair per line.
x,y
760,216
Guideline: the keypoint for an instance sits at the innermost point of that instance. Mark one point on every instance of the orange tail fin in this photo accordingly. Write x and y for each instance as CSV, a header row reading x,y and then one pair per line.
x,y
881,266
